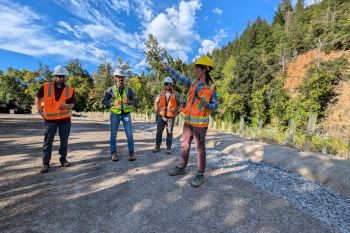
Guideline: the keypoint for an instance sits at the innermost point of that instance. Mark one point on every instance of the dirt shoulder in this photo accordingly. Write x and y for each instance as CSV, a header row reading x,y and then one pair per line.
x,y
329,170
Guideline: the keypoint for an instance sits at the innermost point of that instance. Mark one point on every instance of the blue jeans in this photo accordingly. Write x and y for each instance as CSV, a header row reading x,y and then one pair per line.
x,y
115,121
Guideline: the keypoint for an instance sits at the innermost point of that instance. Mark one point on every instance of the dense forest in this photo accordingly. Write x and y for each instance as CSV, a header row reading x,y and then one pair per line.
x,y
249,71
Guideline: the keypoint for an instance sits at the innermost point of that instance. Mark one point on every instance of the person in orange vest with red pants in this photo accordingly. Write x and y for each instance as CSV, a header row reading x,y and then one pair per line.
x,y
59,99
166,105
202,99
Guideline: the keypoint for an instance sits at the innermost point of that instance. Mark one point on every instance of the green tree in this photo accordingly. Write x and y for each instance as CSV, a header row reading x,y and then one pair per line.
x,y
300,5
82,82
103,79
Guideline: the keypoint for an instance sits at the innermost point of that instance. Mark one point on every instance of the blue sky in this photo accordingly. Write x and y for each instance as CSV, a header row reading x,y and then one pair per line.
x,y
52,32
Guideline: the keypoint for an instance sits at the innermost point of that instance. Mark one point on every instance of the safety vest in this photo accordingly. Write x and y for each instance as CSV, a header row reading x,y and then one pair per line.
x,y
118,109
195,113
167,108
51,106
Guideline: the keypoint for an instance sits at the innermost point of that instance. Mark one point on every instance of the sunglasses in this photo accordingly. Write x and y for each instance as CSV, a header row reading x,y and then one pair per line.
x,y
119,76
60,76
166,84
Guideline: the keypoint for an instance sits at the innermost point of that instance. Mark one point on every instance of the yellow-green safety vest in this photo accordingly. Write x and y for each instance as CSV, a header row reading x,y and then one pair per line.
x,y
118,109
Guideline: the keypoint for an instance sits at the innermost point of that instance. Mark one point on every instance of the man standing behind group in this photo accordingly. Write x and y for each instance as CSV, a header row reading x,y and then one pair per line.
x,y
121,101
59,99
167,104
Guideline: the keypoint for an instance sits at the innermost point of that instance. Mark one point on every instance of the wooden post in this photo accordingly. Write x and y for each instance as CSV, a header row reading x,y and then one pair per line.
x,y
253,132
230,127
260,126
241,126
310,130
223,126
270,134
324,147
291,133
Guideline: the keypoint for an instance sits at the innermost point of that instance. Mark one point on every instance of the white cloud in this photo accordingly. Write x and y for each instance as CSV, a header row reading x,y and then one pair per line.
x,y
312,2
97,31
307,2
208,45
141,64
65,28
120,5
174,29
21,32
217,11
143,9
103,25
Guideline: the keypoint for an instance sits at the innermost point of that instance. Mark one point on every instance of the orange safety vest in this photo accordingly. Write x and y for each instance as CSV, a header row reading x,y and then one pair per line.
x,y
196,114
167,108
51,110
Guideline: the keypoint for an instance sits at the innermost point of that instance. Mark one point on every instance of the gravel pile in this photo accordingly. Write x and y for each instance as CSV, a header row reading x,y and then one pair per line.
x,y
328,206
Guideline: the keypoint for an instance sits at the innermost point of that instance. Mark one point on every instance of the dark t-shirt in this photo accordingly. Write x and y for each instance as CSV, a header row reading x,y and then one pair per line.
x,y
58,93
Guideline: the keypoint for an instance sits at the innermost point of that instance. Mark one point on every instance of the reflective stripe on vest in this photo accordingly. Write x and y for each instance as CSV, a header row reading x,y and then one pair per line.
x,y
167,108
51,105
195,113
57,114
118,109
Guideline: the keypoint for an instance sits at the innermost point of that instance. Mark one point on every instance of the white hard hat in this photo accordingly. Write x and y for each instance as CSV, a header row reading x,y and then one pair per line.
x,y
119,72
60,70
168,80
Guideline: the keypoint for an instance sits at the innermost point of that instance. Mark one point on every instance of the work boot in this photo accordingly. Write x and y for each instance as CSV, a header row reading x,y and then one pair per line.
x,y
168,151
45,168
132,156
177,170
114,156
64,163
156,149
197,180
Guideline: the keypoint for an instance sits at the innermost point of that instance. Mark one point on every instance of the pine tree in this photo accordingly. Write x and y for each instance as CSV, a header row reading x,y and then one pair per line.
x,y
300,5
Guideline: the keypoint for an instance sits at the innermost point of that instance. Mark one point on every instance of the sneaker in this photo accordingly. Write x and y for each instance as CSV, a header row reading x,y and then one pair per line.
x,y
114,156
45,168
132,156
64,163
177,170
156,149
197,180
168,151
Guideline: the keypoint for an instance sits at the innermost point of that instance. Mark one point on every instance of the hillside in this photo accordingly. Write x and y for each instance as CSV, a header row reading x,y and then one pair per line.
x,y
296,70
337,120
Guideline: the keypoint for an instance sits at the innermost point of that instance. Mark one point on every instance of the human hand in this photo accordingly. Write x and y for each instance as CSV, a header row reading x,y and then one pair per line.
x,y
117,103
125,101
40,111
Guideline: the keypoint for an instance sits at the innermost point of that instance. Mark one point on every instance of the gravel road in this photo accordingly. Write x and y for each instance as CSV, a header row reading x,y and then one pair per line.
x,y
97,195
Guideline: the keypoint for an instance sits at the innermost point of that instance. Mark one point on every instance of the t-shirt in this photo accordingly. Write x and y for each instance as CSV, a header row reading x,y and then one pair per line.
x,y
58,92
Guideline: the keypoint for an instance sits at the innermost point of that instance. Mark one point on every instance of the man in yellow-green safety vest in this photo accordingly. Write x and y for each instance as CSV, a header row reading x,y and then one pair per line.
x,y
121,101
